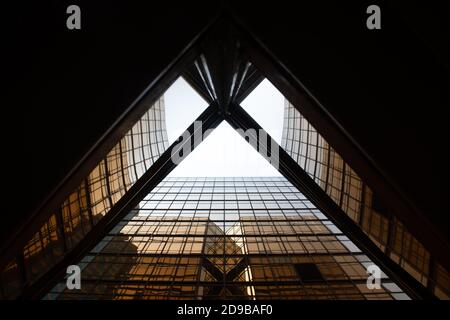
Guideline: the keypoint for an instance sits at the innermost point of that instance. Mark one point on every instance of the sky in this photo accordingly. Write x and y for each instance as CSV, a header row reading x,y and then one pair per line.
x,y
224,153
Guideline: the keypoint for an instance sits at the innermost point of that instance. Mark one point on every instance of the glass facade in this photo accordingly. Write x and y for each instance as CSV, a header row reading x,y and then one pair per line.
x,y
222,238
327,168
85,206
225,238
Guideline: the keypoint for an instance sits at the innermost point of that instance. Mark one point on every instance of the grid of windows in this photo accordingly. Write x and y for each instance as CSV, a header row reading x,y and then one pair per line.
x,y
327,168
219,238
83,208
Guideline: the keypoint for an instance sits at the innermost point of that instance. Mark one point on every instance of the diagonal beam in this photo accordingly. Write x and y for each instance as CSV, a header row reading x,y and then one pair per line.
x,y
236,271
289,168
228,278
212,269
219,275
210,119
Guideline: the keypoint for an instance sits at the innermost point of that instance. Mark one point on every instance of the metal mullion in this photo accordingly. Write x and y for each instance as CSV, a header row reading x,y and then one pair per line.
x,y
70,221
202,253
224,256
341,196
307,148
41,240
245,245
161,145
132,155
289,221
49,231
122,169
267,255
60,228
157,257
88,201
326,282
108,186
182,250
144,160
80,205
291,115
362,205
317,154
273,225
327,179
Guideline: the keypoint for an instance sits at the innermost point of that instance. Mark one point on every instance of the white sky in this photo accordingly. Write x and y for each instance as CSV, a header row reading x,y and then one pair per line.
x,y
224,153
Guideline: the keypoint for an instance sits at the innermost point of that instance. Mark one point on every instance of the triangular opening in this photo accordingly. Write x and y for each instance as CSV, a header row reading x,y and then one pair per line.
x,y
224,153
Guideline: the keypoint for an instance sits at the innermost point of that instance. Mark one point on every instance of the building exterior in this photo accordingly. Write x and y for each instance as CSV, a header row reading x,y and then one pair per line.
x,y
86,205
327,168
221,238
226,238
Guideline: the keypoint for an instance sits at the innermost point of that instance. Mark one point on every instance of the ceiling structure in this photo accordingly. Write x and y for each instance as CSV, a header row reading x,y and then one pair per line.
x,y
224,75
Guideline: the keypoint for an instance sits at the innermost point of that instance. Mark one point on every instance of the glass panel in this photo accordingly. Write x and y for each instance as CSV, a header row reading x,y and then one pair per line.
x,y
249,252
